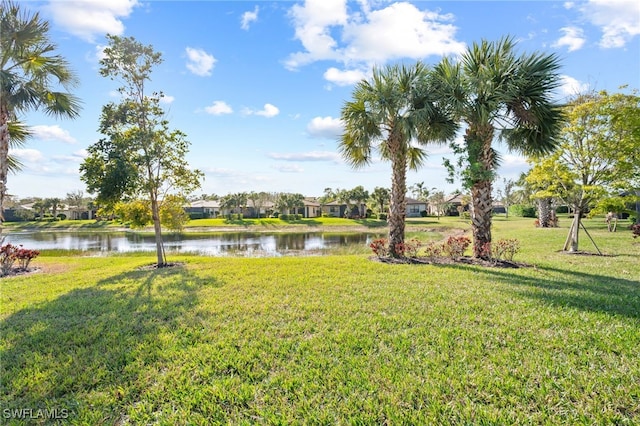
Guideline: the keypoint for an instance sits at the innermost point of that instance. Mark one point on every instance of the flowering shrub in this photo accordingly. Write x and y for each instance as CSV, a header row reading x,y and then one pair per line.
x,y
10,253
433,250
379,247
408,248
454,247
506,249
24,257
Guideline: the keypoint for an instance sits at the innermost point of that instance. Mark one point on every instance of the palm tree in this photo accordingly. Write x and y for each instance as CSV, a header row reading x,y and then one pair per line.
x,y
396,113
29,69
380,196
497,93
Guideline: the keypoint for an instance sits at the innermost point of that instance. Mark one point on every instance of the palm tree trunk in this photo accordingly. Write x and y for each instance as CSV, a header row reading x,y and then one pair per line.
x,y
544,212
481,210
479,138
4,156
397,207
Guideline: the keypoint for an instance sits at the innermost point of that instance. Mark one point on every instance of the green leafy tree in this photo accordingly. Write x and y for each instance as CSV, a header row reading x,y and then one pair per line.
x,y
140,154
172,213
395,113
30,74
498,94
439,202
135,213
591,157
380,197
419,192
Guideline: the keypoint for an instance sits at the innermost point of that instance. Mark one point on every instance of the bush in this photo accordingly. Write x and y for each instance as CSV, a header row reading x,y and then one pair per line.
x,y
10,253
562,209
196,215
423,213
454,247
522,210
382,216
379,247
506,249
62,216
635,229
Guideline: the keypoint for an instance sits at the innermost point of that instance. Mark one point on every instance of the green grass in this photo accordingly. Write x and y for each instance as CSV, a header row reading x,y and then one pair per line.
x,y
331,340
61,224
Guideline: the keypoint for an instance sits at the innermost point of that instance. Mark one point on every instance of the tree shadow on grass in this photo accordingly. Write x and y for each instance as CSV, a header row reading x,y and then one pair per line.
x,y
96,344
579,290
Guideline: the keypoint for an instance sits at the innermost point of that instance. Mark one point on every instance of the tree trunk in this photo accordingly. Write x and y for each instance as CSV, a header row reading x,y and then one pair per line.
x,y
481,157
4,159
544,212
397,207
481,210
155,214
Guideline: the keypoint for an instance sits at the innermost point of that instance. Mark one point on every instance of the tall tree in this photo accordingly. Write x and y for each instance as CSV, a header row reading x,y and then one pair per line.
x,y
499,94
419,192
140,154
594,155
381,196
30,74
395,113
76,201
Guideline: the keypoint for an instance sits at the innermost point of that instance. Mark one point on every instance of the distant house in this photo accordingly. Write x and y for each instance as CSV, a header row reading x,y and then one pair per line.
x,y
339,209
311,208
203,209
415,207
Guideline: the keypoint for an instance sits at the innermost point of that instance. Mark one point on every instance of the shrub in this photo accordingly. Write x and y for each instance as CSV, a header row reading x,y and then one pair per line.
x,y
635,229
522,210
379,247
382,216
196,215
433,250
454,247
10,253
423,213
506,248
62,216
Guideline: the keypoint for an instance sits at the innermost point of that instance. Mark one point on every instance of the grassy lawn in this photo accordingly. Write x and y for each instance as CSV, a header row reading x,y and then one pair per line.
x,y
330,340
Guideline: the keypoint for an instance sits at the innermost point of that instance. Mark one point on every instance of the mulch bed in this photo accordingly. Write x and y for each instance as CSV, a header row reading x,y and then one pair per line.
x,y
466,260
16,272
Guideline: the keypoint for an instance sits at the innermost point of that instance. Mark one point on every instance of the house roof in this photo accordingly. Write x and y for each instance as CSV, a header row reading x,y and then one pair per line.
x,y
205,203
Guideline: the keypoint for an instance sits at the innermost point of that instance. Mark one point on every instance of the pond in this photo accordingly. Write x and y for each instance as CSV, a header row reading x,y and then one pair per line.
x,y
220,244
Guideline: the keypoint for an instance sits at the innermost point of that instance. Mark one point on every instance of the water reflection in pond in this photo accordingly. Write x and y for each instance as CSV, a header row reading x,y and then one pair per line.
x,y
222,244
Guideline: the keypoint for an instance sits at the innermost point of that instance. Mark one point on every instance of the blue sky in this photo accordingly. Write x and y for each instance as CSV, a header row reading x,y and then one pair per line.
x,y
257,86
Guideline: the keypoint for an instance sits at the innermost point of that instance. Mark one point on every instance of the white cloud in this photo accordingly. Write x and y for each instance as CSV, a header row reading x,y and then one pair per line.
x,y
306,156
573,38
400,30
325,127
87,19
219,108
571,87
199,62
28,155
344,78
267,111
248,18
617,19
289,168
52,133
166,99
